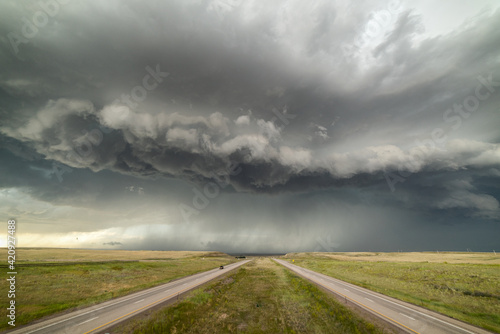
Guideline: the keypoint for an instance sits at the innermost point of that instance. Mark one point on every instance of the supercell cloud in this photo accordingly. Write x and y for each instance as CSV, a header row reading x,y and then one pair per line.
x,y
248,126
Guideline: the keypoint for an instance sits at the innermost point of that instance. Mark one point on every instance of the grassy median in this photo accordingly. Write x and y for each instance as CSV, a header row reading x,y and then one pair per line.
x,y
261,297
463,290
53,280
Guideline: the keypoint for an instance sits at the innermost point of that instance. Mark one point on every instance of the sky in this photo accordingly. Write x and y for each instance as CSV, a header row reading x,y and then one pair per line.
x,y
251,126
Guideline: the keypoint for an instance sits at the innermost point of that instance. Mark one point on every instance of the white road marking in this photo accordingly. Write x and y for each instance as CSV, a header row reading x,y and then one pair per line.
x,y
79,315
139,301
369,299
93,310
390,301
76,316
407,316
347,290
81,323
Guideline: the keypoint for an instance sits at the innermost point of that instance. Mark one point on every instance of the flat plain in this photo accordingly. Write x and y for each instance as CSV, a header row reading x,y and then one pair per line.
x,y
465,286
51,280
260,297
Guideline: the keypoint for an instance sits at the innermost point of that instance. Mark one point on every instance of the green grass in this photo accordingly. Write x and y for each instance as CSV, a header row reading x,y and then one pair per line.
x,y
261,297
25,254
46,288
468,292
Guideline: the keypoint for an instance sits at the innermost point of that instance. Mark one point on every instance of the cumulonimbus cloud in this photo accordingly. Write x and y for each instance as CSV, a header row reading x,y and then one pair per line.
x,y
275,94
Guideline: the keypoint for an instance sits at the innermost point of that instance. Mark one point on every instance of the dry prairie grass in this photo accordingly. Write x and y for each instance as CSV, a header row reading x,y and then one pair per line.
x,y
260,297
53,280
90,255
432,257
464,286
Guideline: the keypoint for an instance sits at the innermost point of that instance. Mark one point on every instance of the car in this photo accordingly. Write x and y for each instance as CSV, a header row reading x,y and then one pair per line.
x,y
221,267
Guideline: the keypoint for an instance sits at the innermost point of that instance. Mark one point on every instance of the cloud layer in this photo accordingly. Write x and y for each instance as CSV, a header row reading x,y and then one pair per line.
x,y
358,99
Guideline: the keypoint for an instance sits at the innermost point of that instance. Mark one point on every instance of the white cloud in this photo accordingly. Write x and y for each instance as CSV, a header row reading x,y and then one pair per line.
x,y
243,120
187,138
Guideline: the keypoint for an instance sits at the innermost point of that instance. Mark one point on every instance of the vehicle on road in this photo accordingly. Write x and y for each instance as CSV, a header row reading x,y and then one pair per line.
x,y
221,267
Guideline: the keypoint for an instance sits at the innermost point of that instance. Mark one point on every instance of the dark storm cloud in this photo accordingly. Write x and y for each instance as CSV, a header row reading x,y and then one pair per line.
x,y
189,89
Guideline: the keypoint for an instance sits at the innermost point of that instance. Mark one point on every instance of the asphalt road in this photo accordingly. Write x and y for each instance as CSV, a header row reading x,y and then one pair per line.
x,y
99,317
407,317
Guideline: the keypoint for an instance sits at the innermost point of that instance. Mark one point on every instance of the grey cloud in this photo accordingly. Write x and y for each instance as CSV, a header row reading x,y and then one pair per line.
x,y
176,145
266,87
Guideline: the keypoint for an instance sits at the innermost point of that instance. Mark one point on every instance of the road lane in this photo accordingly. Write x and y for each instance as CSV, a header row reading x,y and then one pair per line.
x,y
407,317
99,317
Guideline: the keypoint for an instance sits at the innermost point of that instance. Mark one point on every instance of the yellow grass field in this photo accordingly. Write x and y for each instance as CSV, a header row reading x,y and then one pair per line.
x,y
66,254
260,297
51,280
431,257
465,286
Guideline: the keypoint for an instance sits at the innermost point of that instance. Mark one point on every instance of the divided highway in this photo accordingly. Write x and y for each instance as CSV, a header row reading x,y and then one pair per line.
x,y
97,318
407,317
